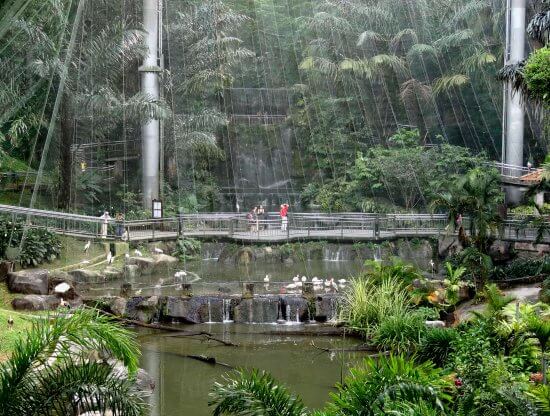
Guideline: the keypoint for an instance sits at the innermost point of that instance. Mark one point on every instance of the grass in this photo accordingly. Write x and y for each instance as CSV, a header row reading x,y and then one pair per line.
x,y
20,322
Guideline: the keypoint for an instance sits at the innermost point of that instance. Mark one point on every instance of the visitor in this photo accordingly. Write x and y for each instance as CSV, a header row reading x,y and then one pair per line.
x,y
119,221
284,216
261,217
459,221
252,218
105,224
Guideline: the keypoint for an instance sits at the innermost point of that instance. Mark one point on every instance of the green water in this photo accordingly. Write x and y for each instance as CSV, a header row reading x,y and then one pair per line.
x,y
216,277
183,384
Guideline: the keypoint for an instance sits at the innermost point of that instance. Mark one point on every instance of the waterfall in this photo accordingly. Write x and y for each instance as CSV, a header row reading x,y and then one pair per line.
x,y
297,315
288,313
209,312
333,254
378,254
227,311
333,310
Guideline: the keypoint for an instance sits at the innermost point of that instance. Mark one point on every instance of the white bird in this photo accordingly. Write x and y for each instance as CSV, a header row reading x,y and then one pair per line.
x,y
266,278
10,322
291,286
127,255
85,262
110,258
87,246
299,284
333,285
138,292
295,279
432,264
342,281
158,250
304,279
138,253
327,283
316,280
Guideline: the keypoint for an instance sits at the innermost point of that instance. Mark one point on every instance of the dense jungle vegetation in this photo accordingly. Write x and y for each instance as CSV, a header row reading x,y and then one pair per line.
x,y
382,104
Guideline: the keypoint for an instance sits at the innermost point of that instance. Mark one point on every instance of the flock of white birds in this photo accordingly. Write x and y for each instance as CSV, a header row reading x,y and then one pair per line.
x,y
328,285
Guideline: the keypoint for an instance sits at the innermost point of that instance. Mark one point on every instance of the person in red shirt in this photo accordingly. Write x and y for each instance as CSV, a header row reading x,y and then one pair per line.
x,y
284,216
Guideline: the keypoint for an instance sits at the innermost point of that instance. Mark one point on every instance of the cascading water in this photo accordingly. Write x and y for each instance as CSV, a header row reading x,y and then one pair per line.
x,y
329,254
227,311
288,319
209,312
297,315
333,311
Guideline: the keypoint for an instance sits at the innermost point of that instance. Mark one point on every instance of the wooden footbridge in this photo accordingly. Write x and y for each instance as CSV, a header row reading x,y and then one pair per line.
x,y
235,227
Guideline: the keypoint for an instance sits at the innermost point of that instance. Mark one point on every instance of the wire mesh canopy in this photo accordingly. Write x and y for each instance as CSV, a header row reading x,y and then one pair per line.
x,y
260,102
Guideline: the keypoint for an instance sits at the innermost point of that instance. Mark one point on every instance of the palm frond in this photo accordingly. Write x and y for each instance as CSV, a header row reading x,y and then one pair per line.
x,y
448,82
455,39
539,27
253,393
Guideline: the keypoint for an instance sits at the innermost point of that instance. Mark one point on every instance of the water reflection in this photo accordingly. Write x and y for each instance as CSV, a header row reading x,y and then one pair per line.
x,y
183,384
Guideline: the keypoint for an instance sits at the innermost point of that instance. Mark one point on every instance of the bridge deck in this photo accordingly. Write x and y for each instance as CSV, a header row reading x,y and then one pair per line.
x,y
231,226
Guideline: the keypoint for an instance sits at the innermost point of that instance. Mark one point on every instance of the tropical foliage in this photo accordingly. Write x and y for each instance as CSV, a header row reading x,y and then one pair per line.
x,y
56,368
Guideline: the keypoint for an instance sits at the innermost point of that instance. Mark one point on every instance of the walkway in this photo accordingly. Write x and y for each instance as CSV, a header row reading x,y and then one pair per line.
x,y
232,226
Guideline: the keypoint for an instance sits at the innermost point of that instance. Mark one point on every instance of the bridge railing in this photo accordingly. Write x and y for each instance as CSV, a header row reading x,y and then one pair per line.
x,y
266,227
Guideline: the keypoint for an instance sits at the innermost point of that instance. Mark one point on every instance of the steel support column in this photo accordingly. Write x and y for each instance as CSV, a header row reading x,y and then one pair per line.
x,y
150,131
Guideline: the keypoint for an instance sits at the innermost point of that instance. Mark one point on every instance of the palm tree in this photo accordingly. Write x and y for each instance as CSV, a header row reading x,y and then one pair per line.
x,y
477,194
55,368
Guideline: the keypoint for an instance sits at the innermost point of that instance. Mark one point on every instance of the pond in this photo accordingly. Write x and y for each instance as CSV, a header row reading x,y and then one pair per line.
x,y
211,276
183,384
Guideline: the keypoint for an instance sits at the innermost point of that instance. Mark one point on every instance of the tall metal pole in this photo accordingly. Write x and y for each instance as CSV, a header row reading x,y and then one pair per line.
x,y
515,117
150,131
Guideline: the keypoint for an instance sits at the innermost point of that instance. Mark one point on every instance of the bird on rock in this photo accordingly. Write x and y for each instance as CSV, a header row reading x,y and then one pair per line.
x,y
87,246
138,253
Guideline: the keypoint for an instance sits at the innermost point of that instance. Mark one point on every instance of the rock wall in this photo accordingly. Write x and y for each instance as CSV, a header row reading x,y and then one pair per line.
x,y
218,309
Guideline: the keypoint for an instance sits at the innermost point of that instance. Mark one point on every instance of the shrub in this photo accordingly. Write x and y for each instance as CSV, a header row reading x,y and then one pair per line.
x,y
522,267
366,304
187,248
537,74
401,332
39,245
388,383
437,345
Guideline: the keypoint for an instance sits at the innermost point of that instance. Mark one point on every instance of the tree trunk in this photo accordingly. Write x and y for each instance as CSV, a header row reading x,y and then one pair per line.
x,y
65,156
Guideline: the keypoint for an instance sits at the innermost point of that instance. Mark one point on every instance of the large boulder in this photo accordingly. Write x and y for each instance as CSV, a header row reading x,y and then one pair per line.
x,y
131,272
29,282
115,305
196,309
295,309
143,309
5,268
164,262
146,265
326,307
112,273
261,309
36,303
86,276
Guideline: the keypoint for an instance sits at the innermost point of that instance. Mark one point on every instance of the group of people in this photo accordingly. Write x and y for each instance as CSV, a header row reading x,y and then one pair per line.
x,y
256,218
120,232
